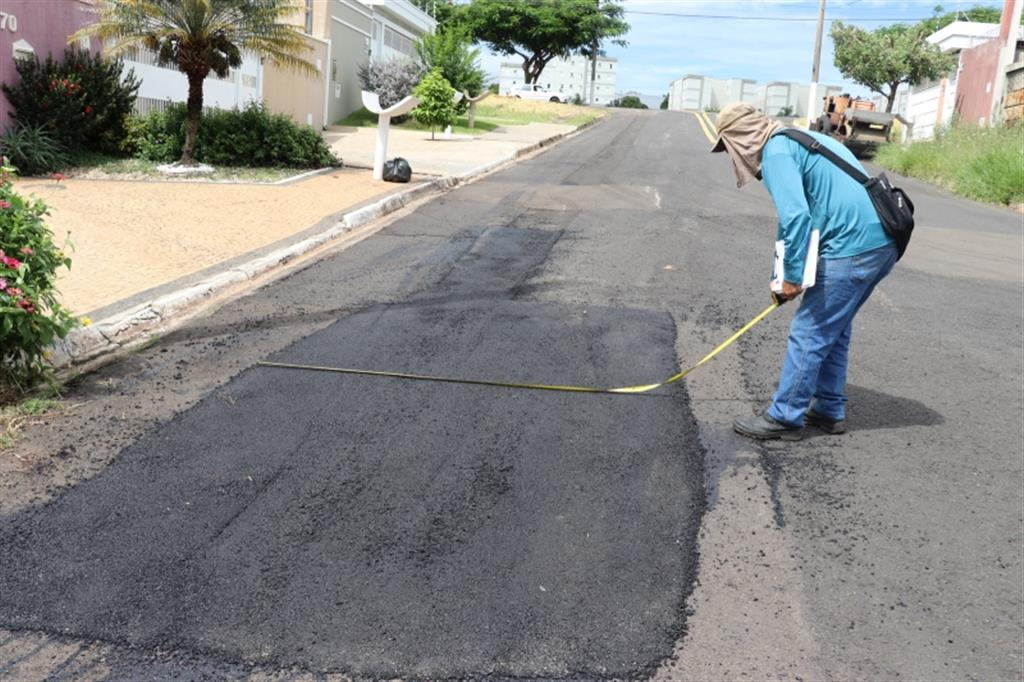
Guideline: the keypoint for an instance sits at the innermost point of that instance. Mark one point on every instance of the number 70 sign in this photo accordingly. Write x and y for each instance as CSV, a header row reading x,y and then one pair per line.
x,y
8,22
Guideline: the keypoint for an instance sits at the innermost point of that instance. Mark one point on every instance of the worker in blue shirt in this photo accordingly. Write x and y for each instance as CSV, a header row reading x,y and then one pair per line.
x,y
854,255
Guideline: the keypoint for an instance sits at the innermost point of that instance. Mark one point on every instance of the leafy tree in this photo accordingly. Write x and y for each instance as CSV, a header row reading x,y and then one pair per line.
x,y
200,37
887,57
628,102
978,13
451,51
436,107
664,102
541,30
445,12
493,88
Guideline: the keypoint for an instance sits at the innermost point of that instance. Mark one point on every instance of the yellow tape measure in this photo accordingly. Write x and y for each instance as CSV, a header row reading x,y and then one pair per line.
x,y
535,387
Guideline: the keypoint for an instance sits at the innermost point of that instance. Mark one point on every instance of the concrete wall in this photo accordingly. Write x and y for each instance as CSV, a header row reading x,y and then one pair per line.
x,y
301,97
977,82
41,27
348,26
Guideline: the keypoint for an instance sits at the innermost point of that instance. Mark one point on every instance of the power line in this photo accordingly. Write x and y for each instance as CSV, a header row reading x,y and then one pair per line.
x,y
734,17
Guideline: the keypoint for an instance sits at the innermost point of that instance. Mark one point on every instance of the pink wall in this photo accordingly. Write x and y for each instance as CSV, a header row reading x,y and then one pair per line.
x,y
43,24
977,82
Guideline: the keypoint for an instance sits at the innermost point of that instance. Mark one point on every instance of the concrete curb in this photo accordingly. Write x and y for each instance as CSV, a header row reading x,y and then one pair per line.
x,y
137,325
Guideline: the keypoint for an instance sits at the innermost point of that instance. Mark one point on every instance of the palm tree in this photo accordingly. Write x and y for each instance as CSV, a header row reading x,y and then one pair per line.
x,y
199,37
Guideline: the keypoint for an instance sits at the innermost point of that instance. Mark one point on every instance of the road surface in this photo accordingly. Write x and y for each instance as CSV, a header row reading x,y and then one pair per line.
x,y
192,514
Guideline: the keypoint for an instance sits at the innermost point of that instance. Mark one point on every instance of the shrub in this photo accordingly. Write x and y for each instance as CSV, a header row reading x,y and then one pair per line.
x,y
392,80
82,101
986,164
32,150
452,51
237,137
31,317
436,107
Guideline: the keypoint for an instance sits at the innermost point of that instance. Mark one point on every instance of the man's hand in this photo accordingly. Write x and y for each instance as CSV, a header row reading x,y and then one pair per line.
x,y
789,291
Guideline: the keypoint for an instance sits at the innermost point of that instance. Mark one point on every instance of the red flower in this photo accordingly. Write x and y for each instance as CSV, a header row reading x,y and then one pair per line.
x,y
88,110
5,204
12,263
26,305
57,176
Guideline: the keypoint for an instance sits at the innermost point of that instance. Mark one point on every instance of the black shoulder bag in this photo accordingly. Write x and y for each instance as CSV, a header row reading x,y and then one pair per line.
x,y
895,209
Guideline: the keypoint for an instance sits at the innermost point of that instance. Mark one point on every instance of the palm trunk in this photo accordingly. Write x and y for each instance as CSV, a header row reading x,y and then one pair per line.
x,y
195,113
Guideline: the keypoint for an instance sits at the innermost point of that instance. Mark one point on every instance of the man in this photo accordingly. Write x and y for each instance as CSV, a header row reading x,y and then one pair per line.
x,y
854,255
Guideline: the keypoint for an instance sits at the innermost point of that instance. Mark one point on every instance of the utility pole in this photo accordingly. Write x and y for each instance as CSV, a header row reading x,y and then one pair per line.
x,y
593,56
812,97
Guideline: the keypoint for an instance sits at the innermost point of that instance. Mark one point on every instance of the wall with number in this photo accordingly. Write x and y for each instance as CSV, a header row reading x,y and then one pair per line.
x,y
39,27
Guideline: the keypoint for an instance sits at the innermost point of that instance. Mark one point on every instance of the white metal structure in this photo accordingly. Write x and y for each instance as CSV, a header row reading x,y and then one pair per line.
x,y
566,78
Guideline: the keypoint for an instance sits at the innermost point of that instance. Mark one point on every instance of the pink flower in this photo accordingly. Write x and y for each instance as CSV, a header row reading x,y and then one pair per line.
x,y
15,292
26,250
5,204
26,305
3,283
12,263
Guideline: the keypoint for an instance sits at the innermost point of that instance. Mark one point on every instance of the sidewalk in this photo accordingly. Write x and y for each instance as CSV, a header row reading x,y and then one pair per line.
x,y
146,254
456,155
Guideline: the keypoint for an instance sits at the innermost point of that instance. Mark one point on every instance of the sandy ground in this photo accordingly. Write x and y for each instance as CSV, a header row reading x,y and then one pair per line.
x,y
132,236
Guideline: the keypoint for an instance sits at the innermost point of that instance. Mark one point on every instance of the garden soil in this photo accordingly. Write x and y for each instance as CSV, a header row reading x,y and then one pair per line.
x,y
128,237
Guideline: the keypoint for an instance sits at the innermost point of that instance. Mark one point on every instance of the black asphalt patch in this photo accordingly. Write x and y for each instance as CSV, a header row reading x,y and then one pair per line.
x,y
386,528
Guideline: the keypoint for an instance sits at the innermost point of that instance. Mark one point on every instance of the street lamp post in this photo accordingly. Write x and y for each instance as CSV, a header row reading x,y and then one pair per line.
x,y
812,96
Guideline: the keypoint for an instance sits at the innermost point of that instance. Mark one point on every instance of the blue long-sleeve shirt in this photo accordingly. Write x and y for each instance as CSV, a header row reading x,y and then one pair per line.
x,y
810,192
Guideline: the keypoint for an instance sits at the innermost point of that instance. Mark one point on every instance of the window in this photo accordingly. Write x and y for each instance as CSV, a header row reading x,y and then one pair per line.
x,y
309,16
397,41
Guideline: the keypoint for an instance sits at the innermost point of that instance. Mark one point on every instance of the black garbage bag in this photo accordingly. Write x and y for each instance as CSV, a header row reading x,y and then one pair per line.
x,y
397,170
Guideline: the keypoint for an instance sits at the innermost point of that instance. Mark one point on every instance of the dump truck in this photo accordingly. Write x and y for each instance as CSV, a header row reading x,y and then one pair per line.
x,y
854,122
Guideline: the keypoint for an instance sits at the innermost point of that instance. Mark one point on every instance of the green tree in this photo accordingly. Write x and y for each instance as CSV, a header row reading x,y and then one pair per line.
x,y
541,30
940,20
887,57
200,37
451,51
628,102
664,102
436,107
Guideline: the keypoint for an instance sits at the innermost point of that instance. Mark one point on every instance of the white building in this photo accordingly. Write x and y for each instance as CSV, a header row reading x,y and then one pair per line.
x,y
161,85
700,93
567,76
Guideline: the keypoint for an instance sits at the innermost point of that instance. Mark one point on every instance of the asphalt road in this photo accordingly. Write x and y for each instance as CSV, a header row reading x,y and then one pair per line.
x,y
195,515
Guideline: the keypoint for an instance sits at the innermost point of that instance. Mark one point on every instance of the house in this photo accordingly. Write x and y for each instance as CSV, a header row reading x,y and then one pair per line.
x,y
342,36
568,76
970,89
31,27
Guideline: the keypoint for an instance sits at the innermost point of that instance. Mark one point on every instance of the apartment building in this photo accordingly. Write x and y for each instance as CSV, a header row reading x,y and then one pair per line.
x,y
568,77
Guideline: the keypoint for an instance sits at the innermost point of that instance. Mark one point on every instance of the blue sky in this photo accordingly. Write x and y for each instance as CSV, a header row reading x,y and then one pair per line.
x,y
772,46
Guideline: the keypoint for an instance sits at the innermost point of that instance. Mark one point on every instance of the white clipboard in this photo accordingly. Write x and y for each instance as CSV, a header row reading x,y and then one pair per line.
x,y
810,264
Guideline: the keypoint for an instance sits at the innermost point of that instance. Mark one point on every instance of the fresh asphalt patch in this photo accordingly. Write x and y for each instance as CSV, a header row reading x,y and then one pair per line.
x,y
385,528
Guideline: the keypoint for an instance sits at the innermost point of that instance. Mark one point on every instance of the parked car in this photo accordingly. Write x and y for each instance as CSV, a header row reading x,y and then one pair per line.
x,y
538,92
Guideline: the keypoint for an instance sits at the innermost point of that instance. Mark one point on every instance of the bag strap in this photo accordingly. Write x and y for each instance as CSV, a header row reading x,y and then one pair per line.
x,y
815,145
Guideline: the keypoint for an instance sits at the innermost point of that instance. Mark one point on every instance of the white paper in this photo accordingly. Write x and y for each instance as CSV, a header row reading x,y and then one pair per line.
x,y
810,264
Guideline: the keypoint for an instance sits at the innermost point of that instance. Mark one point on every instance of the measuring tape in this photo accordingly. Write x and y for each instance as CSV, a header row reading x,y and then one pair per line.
x,y
535,387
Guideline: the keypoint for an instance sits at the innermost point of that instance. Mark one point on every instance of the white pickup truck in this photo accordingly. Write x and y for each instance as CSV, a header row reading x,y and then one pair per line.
x,y
538,92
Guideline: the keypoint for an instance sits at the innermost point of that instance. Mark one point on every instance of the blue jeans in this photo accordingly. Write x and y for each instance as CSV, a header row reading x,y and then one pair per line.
x,y
819,338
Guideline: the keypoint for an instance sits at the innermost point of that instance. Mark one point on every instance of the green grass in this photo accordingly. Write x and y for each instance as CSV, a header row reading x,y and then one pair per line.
x,y
112,167
490,114
985,164
363,118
